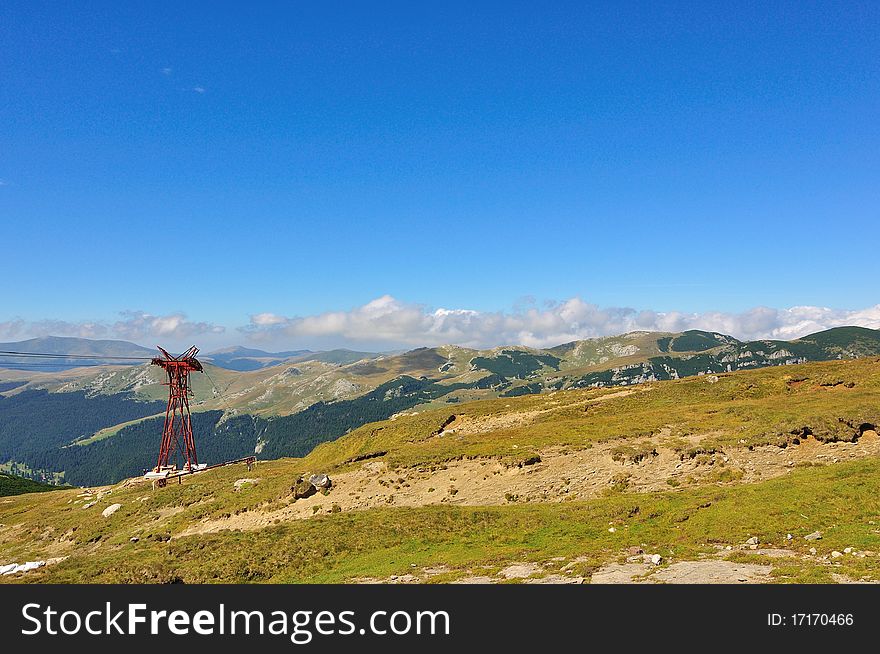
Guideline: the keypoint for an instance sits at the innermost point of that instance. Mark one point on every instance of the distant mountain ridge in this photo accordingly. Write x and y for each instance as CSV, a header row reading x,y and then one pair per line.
x,y
237,357
84,348
631,357
244,358
285,409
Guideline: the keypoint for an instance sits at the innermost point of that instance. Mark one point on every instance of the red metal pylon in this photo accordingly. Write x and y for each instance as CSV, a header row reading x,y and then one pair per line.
x,y
177,432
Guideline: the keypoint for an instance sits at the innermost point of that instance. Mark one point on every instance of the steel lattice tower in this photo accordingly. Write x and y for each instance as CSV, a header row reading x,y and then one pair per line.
x,y
177,432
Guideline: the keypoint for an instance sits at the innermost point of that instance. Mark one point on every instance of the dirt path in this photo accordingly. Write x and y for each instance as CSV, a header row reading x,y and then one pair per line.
x,y
558,476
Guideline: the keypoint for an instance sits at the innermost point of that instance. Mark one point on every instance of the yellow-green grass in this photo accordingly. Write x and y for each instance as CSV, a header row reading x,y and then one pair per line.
x,y
738,409
841,500
748,408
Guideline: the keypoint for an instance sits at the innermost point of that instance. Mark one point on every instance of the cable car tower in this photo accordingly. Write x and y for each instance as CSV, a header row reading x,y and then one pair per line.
x,y
177,434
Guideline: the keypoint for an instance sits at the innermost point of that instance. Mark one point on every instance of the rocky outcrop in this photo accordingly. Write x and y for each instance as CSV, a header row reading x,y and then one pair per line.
x,y
306,487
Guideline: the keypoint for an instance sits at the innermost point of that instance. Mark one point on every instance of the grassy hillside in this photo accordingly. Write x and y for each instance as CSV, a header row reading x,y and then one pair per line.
x,y
560,484
769,406
313,398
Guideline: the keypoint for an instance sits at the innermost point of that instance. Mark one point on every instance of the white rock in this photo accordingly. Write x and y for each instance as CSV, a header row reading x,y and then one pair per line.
x,y
239,483
611,529
656,559
320,481
835,554
847,550
23,567
110,510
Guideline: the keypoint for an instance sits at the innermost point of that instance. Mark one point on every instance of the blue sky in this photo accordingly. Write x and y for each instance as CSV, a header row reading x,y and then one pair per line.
x,y
225,173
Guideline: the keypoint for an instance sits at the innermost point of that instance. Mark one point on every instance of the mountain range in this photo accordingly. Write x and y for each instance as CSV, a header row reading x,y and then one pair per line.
x,y
100,423
85,350
89,352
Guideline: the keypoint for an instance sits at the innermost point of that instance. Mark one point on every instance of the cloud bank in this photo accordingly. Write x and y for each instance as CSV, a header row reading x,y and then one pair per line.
x,y
387,321
138,326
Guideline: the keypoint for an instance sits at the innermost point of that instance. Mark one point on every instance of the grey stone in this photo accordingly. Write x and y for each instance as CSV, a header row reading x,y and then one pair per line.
x,y
110,510
320,481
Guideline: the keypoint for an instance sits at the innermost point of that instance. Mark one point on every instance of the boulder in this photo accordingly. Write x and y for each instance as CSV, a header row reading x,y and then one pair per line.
x,y
656,559
752,541
320,481
816,535
303,488
110,510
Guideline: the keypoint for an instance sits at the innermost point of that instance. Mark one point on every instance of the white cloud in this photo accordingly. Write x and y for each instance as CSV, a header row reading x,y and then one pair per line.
x,y
199,89
138,326
167,70
391,323
20,329
388,323
266,319
12,329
